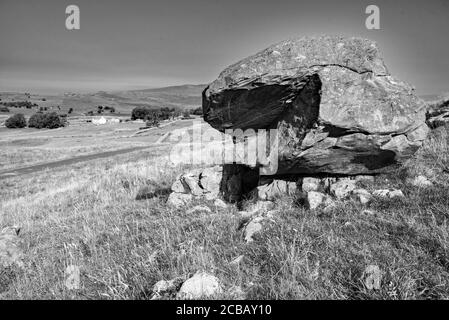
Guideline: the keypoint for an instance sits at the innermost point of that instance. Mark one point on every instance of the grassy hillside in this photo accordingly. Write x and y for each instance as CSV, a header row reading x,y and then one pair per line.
x,y
87,216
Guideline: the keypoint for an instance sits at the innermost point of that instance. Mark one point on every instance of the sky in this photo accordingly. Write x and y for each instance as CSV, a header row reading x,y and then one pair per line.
x,y
136,44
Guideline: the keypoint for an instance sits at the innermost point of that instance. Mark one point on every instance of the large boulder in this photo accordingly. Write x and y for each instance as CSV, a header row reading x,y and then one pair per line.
x,y
336,108
229,182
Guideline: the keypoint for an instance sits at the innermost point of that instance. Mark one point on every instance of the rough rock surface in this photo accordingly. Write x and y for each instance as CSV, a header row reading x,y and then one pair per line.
x,y
314,199
386,193
229,182
11,256
336,108
11,253
253,227
276,188
343,188
166,288
201,285
421,182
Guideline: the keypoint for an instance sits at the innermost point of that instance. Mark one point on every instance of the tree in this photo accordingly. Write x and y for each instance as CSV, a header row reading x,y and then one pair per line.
x,y
198,111
53,121
46,120
16,121
37,121
140,113
186,114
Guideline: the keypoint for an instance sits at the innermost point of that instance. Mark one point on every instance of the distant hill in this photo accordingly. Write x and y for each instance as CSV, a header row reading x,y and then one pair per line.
x,y
179,97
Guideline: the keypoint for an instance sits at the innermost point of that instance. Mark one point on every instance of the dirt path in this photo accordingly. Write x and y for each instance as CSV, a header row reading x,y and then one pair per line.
x,y
55,164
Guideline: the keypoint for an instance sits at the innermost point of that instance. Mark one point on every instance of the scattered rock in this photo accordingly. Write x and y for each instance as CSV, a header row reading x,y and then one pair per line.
x,y
11,252
314,199
362,195
164,288
192,181
329,204
373,277
421,182
220,204
179,186
201,285
178,200
199,209
72,277
275,189
327,182
364,178
385,193
210,180
342,188
396,194
310,184
253,227
11,257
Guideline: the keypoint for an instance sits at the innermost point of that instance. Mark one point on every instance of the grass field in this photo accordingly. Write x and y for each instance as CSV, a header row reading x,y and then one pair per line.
x,y
22,147
86,215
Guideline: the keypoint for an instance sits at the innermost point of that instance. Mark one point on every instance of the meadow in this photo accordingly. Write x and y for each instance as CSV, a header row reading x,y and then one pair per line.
x,y
87,215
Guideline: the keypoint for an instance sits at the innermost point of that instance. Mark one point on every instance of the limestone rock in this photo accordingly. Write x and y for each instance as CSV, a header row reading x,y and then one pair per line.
x,y
310,184
179,200
201,285
253,227
364,178
314,199
199,209
72,277
396,194
275,189
421,181
198,183
166,288
220,204
385,193
210,180
342,188
362,195
11,253
179,186
335,106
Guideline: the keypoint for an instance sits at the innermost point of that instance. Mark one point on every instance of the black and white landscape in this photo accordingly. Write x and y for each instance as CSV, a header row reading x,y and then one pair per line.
x,y
232,150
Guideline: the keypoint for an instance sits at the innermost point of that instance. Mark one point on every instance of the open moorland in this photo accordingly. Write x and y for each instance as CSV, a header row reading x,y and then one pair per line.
x,y
87,215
